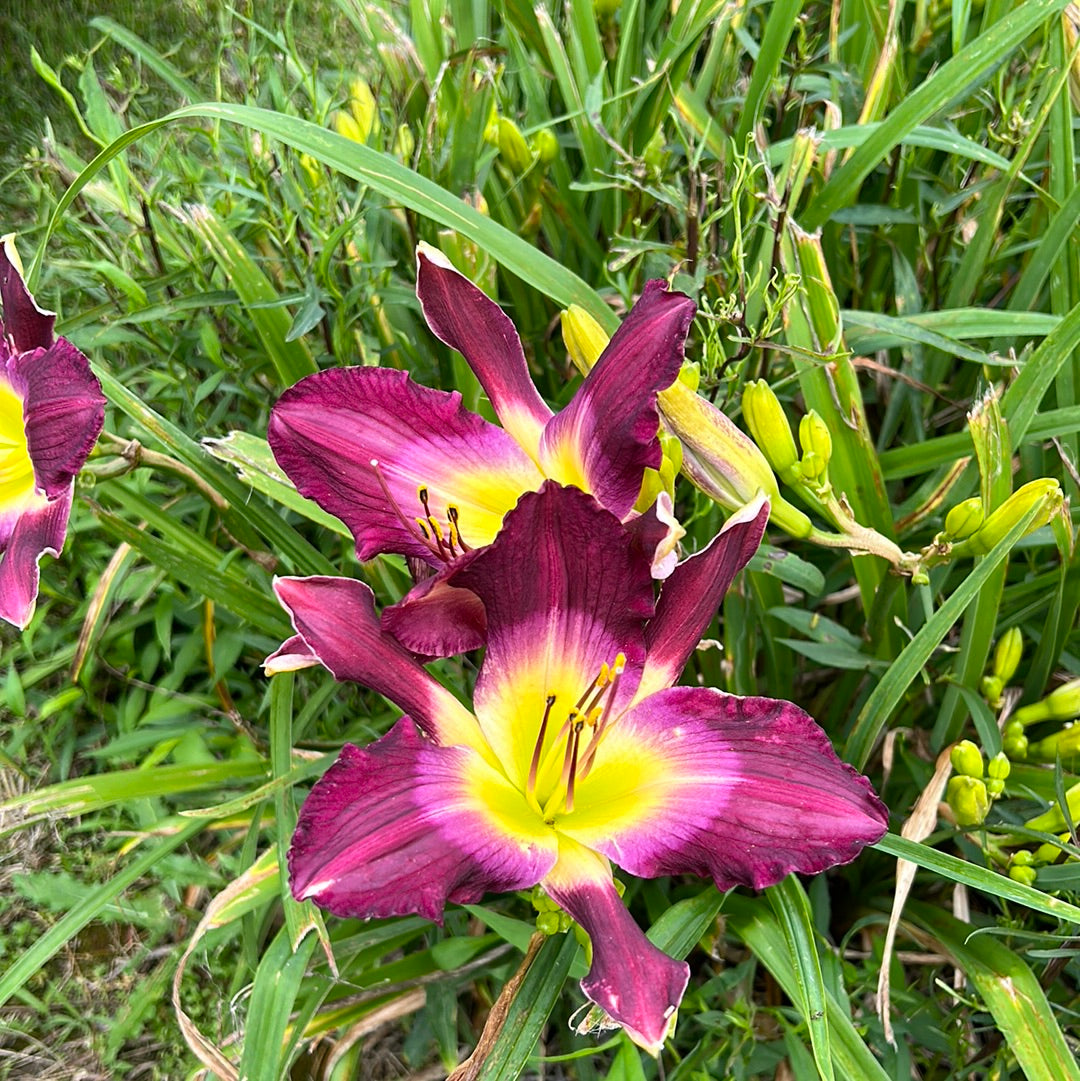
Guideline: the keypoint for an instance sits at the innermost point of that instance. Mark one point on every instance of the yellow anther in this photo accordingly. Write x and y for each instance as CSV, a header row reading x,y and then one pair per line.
x,y
620,664
436,529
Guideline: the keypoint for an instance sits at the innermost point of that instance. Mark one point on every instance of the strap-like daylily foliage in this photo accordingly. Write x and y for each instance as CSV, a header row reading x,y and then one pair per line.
x,y
51,413
578,753
410,470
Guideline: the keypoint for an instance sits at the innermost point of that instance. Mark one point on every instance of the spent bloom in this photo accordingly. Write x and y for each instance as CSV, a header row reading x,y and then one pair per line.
x,y
410,470
51,412
578,753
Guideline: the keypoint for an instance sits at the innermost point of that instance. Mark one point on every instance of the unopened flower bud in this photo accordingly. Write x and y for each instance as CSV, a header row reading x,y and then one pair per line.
x,y
1016,747
964,519
1048,853
994,787
604,9
345,124
1064,745
1044,494
545,145
816,443
1013,729
690,375
547,923
1022,858
991,687
1061,704
404,143
1052,820
513,149
968,799
999,767
1010,647
764,416
966,759
363,107
1023,874
585,339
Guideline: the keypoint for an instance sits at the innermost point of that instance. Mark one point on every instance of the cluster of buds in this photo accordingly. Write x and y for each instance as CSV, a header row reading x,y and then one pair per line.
x,y
769,426
1007,654
973,786
969,530
1061,704
517,154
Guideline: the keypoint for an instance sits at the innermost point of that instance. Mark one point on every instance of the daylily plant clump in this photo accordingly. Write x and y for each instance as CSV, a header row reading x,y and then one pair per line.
x,y
578,752
51,413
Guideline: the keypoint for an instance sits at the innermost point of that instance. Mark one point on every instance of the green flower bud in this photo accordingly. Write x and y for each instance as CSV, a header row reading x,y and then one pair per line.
x,y
999,767
1064,745
964,519
1013,729
966,759
991,687
1048,853
995,787
547,923
1016,747
1062,704
1052,821
1045,494
1022,858
769,427
690,375
364,108
604,9
404,143
513,149
545,145
968,799
1007,653
1024,875
816,443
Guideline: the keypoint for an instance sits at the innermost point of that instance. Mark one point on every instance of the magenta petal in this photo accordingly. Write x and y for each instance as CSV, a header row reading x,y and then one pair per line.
x,y
63,408
27,325
393,829
608,432
467,320
327,430
336,621
435,619
38,530
744,790
690,596
636,983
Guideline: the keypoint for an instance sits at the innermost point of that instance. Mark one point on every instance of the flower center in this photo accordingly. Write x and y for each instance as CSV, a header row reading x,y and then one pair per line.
x,y
16,469
445,543
578,739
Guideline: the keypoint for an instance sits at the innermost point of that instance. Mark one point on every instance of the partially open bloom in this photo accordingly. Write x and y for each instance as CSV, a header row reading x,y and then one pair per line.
x,y
51,412
578,753
410,470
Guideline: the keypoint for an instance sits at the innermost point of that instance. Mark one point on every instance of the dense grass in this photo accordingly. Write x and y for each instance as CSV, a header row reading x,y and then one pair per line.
x,y
919,258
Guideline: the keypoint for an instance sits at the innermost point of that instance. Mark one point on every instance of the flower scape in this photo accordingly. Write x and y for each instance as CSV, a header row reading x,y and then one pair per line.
x,y
579,752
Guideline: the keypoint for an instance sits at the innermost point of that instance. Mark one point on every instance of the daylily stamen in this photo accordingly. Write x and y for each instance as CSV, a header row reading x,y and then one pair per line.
x,y
573,767
538,749
601,726
425,539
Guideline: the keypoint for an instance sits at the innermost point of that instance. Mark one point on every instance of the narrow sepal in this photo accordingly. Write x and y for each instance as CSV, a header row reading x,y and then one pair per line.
x,y
638,985
692,593
466,319
37,530
336,622
608,434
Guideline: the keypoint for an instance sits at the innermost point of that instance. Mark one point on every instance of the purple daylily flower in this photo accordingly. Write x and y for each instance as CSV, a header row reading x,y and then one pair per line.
x,y
578,753
411,471
51,413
